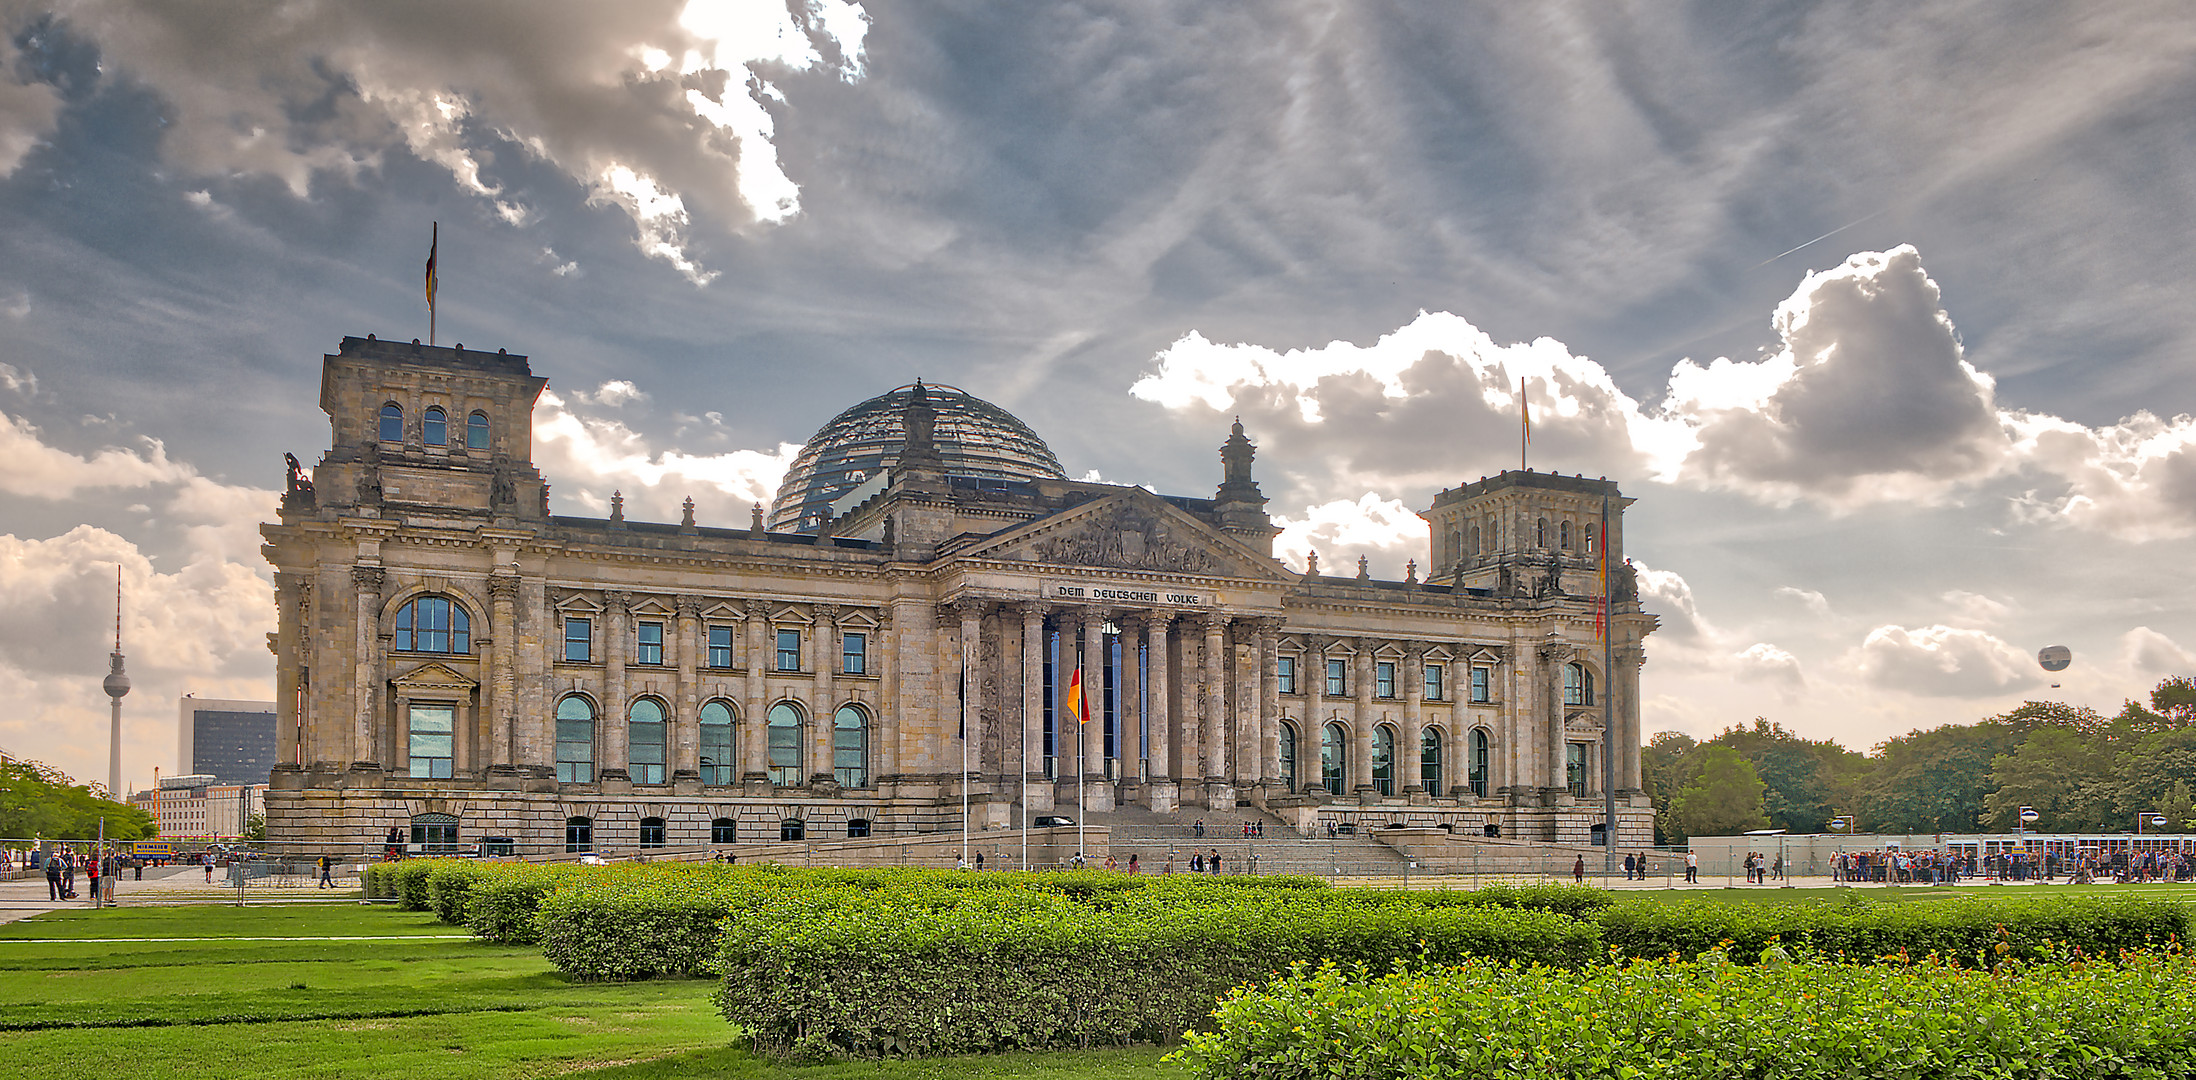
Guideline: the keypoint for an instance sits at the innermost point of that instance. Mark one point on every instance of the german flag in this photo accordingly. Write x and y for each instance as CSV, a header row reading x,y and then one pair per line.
x,y
1078,706
432,245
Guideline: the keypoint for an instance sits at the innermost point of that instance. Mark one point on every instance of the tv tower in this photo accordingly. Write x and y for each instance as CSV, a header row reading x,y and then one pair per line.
x,y
117,685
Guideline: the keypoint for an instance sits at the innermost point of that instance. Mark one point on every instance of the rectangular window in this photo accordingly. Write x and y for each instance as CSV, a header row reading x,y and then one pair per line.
x,y
1574,767
716,748
651,644
720,646
575,751
1286,674
1384,679
645,752
432,731
1482,685
1337,686
577,633
789,650
1434,689
854,653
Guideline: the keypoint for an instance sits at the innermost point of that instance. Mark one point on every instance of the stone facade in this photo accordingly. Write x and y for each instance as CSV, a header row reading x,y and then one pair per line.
x,y
448,651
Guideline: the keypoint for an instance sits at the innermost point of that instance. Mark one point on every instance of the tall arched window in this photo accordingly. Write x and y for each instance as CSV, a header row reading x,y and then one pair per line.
x,y
1563,534
392,422
1334,757
785,744
1481,760
1540,533
1384,759
575,740
435,426
1287,757
476,431
645,741
1592,538
1476,549
1578,684
850,747
1429,760
716,743
432,624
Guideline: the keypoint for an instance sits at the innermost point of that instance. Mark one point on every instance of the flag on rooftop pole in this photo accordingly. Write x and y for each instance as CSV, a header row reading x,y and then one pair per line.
x,y
1601,614
434,244
1524,422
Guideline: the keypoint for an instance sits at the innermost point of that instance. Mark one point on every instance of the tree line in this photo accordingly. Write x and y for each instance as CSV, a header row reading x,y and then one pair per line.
x,y
2080,770
38,801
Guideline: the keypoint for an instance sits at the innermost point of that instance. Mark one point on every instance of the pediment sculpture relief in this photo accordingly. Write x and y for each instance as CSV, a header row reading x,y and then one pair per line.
x,y
1129,541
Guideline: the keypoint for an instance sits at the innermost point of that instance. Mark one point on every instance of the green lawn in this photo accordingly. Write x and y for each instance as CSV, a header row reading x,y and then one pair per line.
x,y
422,1000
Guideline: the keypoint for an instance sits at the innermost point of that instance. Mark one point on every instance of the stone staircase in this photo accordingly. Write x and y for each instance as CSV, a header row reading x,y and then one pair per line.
x,y
1157,839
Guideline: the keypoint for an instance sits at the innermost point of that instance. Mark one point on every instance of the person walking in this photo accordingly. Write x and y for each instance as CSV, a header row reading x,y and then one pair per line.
x,y
1213,863
326,864
91,873
53,879
1631,865
1578,870
1692,868
207,860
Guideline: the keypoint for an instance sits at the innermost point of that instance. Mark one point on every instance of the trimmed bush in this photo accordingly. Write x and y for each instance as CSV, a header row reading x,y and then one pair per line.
x,y
1031,971
449,884
1682,1020
405,880
1860,929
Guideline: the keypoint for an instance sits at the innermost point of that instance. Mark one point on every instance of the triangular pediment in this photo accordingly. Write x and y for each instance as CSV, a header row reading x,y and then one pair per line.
x,y
1133,530
433,677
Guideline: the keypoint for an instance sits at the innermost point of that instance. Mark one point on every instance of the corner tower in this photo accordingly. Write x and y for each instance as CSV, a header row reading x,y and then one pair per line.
x,y
1520,533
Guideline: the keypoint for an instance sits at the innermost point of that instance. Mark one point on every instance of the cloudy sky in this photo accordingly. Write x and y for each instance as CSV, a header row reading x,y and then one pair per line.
x,y
1882,311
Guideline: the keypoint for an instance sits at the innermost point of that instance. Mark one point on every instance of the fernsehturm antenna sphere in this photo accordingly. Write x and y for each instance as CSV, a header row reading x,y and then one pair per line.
x,y
117,685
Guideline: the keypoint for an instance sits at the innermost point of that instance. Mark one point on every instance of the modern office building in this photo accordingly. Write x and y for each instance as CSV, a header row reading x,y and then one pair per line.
x,y
232,741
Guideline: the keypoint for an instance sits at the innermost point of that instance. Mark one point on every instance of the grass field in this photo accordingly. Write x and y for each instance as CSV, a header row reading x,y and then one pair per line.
x,y
418,999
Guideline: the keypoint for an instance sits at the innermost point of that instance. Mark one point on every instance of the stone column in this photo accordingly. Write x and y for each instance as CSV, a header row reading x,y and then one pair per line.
x,y
1247,751
1314,736
1188,683
1097,792
1129,722
1160,721
291,596
1269,703
1213,718
826,648
1361,719
1625,707
754,736
1549,685
686,721
971,615
1414,722
366,682
502,706
615,736
1036,789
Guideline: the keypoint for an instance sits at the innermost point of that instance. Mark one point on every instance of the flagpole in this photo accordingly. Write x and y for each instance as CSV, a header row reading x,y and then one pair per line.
x,y
1608,700
434,248
1524,423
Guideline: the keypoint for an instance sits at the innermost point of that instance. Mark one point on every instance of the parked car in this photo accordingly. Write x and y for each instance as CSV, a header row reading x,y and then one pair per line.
x,y
1048,821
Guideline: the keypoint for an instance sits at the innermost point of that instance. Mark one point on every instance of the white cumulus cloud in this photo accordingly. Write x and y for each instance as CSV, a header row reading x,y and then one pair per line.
x,y
1943,661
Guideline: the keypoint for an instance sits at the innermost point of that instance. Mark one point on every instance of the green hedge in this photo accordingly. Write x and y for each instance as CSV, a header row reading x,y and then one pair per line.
x,y
404,880
813,977
1865,930
1711,1018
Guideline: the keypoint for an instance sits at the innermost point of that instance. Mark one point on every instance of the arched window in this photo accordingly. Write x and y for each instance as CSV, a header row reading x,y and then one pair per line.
x,y
579,835
1334,758
850,747
1384,759
651,832
392,422
724,830
1563,535
1476,549
1287,757
1540,533
1578,684
434,834
716,743
1429,760
1591,539
476,431
645,741
575,740
1482,758
792,828
432,624
785,744
856,828
435,426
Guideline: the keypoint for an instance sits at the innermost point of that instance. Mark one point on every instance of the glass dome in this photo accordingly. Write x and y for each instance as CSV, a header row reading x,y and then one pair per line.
x,y
975,437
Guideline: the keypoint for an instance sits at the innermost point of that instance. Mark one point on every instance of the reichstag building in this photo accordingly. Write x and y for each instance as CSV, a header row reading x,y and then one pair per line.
x,y
457,662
